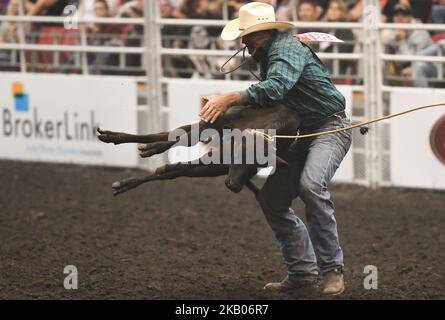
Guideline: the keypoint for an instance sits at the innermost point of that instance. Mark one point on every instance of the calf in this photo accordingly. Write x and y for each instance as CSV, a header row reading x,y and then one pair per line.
x,y
278,117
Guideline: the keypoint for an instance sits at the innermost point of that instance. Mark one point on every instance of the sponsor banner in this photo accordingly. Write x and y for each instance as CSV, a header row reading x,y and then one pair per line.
x,y
54,118
185,101
418,140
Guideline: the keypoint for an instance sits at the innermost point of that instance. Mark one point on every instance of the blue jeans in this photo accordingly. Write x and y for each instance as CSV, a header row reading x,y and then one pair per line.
x,y
438,13
313,163
423,71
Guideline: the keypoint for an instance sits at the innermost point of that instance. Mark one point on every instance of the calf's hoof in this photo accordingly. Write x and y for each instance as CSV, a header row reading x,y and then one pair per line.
x,y
109,136
233,186
122,186
147,150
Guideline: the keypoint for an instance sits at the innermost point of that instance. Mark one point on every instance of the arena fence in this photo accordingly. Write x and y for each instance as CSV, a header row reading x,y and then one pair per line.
x,y
165,102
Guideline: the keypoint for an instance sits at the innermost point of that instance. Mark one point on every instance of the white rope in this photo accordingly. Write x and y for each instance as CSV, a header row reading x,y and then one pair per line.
x,y
272,138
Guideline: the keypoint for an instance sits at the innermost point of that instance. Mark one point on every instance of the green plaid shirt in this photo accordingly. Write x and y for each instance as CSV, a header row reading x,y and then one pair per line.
x,y
294,76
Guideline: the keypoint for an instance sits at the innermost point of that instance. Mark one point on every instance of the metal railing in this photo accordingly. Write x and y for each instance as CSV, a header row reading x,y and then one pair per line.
x,y
86,48
370,59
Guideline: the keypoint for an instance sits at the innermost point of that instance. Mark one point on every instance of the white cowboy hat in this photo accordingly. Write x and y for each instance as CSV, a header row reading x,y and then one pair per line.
x,y
253,17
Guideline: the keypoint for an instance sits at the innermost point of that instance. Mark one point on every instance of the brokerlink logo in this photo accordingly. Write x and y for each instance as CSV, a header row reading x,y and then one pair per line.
x,y
25,122
20,97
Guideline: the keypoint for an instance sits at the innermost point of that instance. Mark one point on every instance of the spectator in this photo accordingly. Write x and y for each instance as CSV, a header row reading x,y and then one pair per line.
x,y
193,9
421,8
100,33
338,12
87,7
197,9
3,6
215,9
8,30
351,3
283,11
131,9
234,6
307,12
167,11
389,7
322,8
424,71
273,3
356,10
406,42
103,34
170,34
44,32
173,66
438,12
113,6
45,7
199,37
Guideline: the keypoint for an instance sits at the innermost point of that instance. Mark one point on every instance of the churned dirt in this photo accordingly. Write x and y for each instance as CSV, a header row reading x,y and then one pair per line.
x,y
194,239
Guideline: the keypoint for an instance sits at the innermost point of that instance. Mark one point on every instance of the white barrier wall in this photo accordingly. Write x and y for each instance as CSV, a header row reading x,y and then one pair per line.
x,y
184,103
53,118
418,140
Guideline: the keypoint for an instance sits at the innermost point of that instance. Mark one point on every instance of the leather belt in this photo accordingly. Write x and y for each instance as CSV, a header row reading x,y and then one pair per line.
x,y
323,122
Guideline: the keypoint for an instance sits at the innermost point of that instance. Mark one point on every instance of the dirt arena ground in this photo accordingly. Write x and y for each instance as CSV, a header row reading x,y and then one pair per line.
x,y
194,239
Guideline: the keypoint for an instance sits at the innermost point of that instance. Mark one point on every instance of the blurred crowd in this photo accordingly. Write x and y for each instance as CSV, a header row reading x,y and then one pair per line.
x,y
412,42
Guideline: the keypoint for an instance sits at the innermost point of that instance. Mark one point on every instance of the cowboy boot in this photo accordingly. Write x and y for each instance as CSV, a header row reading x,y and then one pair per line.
x,y
333,282
291,283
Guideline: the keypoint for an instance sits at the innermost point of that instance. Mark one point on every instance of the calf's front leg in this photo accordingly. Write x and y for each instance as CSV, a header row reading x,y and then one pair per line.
x,y
122,137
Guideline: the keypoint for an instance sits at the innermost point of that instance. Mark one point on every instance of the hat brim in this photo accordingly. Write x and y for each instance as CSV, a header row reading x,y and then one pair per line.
x,y
232,32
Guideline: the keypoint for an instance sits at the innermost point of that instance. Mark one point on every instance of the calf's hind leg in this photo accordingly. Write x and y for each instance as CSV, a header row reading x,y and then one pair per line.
x,y
172,171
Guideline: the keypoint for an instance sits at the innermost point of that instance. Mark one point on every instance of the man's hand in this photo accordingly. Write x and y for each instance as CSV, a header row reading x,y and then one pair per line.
x,y
216,105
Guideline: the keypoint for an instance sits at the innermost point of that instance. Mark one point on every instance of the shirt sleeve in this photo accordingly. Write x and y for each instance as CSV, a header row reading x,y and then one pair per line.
x,y
286,64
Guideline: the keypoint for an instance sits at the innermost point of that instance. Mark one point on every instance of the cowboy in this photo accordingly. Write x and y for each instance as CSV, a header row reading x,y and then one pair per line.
x,y
292,75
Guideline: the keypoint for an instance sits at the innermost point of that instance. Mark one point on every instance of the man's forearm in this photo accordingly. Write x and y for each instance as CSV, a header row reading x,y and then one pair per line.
x,y
233,98
244,98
